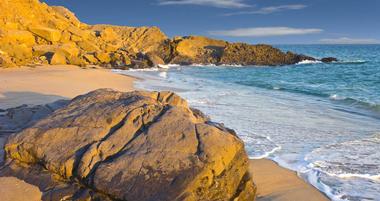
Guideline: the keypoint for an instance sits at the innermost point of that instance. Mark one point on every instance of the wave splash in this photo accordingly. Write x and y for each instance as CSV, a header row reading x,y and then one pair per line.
x,y
351,159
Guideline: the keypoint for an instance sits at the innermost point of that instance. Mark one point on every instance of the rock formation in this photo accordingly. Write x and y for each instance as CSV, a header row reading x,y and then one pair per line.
x,y
145,146
32,32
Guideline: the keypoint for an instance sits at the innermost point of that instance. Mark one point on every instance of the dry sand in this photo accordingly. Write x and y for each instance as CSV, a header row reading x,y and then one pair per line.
x,y
47,84
50,83
275,183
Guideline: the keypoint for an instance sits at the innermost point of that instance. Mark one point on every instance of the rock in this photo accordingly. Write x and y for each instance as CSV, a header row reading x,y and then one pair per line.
x,y
244,54
67,49
132,146
90,59
66,13
17,37
30,23
58,58
66,37
198,49
13,189
19,54
154,60
103,57
77,60
78,32
329,60
88,46
108,34
5,60
48,34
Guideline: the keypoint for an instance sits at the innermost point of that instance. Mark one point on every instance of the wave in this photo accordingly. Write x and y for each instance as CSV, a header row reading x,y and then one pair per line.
x,y
350,62
350,159
317,166
135,70
203,65
266,154
167,66
308,62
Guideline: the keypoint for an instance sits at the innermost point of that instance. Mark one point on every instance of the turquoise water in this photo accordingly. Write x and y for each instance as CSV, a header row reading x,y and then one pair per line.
x,y
321,120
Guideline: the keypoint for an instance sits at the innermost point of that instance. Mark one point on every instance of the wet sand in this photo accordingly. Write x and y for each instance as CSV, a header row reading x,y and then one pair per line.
x,y
275,183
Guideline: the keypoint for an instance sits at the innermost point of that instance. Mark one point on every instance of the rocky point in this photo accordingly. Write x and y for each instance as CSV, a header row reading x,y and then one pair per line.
x,y
34,33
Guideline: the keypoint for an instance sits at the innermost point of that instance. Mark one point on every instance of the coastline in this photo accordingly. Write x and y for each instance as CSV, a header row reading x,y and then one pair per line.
x,y
275,183
46,84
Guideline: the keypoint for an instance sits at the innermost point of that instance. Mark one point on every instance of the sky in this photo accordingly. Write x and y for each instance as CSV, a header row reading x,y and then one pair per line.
x,y
250,21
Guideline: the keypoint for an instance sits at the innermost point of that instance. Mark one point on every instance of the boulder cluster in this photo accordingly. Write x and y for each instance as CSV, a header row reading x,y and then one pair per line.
x,y
32,32
146,146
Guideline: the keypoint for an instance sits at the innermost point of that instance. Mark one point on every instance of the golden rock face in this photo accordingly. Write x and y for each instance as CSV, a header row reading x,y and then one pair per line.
x,y
46,31
135,146
30,25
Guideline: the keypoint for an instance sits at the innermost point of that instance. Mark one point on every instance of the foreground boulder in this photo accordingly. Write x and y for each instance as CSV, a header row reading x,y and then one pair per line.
x,y
146,146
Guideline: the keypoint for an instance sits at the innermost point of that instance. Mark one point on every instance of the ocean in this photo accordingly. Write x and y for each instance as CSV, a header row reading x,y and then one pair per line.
x,y
321,120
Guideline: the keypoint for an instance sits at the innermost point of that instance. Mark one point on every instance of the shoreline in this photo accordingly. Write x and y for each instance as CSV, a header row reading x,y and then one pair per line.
x,y
276,183
46,84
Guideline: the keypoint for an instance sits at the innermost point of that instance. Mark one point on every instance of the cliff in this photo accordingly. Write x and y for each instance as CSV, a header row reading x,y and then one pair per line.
x,y
32,32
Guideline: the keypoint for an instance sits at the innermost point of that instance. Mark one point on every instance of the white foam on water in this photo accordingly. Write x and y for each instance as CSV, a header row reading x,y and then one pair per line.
x,y
167,66
337,97
135,70
266,154
309,62
163,74
203,65
291,129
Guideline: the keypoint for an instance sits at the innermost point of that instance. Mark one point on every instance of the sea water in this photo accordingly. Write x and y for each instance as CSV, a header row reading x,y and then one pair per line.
x,y
321,120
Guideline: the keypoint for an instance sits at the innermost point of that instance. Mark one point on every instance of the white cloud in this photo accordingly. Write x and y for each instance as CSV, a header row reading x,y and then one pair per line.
x,y
213,3
264,32
269,10
345,40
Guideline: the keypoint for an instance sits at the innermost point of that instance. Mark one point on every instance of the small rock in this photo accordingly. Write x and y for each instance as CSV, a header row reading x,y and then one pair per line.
x,y
329,60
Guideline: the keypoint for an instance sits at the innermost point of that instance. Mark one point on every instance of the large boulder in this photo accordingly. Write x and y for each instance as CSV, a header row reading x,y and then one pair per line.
x,y
145,146
46,33
197,49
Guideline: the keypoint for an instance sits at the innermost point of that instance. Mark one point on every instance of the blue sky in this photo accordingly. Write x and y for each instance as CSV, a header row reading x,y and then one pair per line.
x,y
252,21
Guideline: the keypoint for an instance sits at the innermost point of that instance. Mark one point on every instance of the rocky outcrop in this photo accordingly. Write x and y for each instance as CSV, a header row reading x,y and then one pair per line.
x,y
243,54
32,32
144,146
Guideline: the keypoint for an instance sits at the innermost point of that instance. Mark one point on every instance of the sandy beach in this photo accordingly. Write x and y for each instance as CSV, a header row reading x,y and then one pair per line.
x,y
50,83
275,183
44,84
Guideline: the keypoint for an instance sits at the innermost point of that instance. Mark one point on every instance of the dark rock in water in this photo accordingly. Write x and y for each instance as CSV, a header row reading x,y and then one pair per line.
x,y
329,60
145,146
244,54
